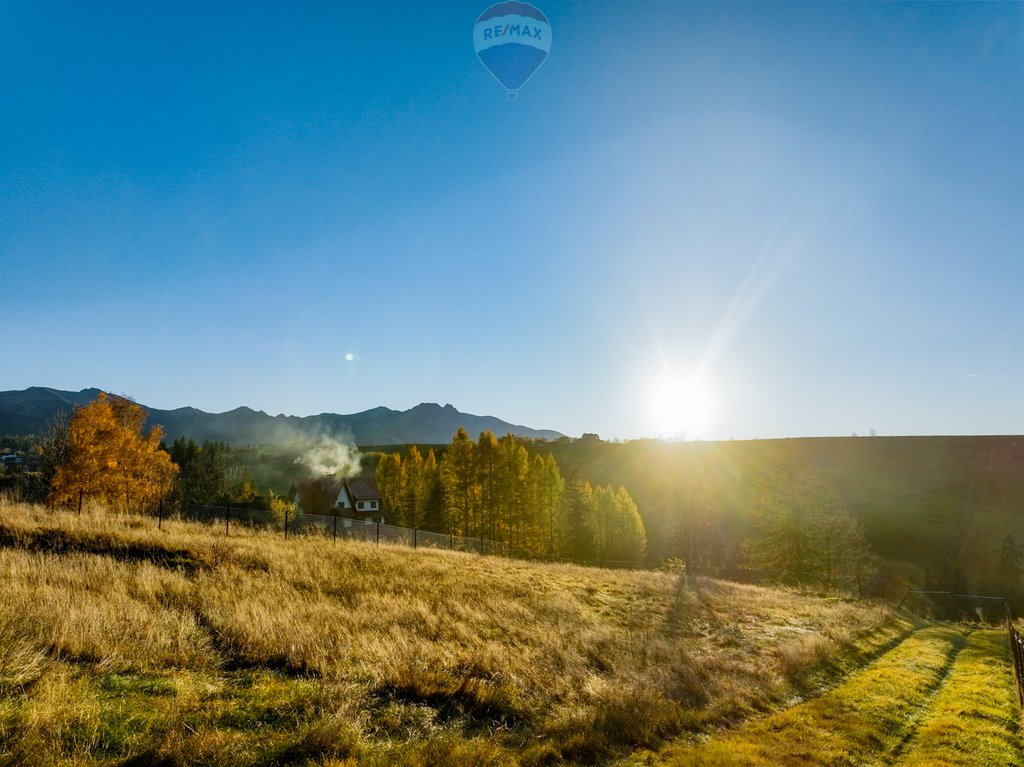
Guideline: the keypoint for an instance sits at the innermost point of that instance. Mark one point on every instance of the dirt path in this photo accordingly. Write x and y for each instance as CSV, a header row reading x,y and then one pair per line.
x,y
897,710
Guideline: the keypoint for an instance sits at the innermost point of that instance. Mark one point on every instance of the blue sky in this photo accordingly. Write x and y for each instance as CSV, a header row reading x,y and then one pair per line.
x,y
724,220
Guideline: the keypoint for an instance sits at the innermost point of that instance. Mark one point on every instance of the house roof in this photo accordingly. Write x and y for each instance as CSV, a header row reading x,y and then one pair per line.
x,y
317,495
320,494
363,489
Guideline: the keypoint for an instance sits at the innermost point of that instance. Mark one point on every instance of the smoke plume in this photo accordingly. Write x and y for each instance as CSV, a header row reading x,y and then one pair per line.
x,y
329,457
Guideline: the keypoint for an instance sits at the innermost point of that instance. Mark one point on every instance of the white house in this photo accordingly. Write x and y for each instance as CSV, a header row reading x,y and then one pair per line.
x,y
359,499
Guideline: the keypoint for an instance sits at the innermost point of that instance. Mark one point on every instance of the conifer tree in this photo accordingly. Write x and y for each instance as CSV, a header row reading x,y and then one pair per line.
x,y
603,521
391,486
412,469
457,474
628,542
577,540
802,531
552,489
430,502
533,506
205,474
513,490
486,461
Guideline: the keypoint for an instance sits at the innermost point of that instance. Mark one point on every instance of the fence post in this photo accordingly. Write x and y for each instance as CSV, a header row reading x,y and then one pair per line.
x,y
1016,651
227,520
1017,647
286,523
160,515
79,503
415,536
904,598
335,528
378,534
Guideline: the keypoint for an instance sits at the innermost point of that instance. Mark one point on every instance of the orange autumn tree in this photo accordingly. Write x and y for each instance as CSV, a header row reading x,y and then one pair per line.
x,y
111,460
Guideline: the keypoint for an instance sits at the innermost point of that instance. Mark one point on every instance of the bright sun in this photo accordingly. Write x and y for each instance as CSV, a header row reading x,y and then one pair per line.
x,y
679,408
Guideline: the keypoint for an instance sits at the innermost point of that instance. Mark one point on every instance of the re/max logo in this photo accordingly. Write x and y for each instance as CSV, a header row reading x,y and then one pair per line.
x,y
510,30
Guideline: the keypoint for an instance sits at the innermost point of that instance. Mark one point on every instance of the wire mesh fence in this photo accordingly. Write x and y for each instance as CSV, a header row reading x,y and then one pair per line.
x,y
1017,651
338,527
237,517
951,606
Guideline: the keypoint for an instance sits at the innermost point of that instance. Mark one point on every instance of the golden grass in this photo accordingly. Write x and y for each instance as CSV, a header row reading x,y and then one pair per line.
x,y
182,646
974,720
925,701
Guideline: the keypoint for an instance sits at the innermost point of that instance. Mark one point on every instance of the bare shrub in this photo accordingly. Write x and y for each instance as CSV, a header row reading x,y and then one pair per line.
x,y
804,654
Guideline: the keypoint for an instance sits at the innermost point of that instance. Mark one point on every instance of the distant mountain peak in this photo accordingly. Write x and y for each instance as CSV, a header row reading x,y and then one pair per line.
x,y
26,412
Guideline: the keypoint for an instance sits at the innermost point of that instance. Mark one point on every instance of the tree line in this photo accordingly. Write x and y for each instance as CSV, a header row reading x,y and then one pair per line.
x,y
496,489
492,488
795,530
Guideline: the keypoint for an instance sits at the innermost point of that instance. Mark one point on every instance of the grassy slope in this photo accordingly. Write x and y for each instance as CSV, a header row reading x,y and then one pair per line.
x,y
974,719
943,697
120,642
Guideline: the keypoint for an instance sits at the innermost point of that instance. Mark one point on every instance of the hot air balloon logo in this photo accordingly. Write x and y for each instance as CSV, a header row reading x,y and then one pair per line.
x,y
512,40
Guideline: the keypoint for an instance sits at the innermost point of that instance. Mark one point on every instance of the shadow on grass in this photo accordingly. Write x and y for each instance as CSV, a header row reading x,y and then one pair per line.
x,y
54,541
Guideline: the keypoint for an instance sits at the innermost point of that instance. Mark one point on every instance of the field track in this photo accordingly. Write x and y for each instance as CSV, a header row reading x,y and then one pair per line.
x,y
944,696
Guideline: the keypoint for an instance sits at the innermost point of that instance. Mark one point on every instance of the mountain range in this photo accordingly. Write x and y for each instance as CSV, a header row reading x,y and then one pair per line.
x,y
27,411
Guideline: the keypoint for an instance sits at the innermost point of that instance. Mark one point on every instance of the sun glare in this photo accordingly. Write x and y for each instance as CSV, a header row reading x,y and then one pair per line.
x,y
679,408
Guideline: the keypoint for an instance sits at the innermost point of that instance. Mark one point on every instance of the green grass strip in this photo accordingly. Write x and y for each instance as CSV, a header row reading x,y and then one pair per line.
x,y
975,717
859,722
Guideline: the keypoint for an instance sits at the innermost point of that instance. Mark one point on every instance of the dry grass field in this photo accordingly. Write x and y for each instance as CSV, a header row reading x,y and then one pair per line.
x,y
122,644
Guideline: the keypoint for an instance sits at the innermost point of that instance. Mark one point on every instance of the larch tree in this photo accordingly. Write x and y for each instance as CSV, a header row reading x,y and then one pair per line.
x,y
486,460
389,475
628,539
458,477
430,501
111,460
533,501
412,490
577,538
603,519
513,485
551,512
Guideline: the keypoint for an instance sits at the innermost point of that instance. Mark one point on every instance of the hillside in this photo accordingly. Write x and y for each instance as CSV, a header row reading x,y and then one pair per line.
x,y
124,644
935,509
26,412
941,506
